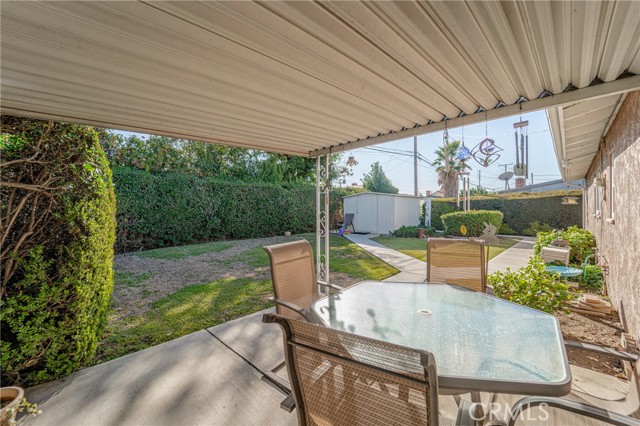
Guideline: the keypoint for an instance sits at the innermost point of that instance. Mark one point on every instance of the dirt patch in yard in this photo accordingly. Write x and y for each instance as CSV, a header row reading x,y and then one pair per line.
x,y
598,331
157,278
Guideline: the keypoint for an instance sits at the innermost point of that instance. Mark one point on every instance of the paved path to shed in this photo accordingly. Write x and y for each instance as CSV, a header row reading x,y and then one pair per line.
x,y
411,270
414,270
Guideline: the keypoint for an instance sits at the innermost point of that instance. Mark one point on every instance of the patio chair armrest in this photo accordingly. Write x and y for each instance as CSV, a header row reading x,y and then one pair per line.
x,y
293,307
626,356
572,406
335,287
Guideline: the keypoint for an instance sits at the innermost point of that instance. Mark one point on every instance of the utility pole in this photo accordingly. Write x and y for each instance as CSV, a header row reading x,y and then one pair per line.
x,y
415,165
531,178
479,183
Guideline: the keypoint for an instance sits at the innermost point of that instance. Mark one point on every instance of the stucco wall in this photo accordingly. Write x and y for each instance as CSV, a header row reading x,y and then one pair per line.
x,y
617,229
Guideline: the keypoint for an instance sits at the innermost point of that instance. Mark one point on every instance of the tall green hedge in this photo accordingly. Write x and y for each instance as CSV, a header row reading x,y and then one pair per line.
x,y
58,234
473,220
167,209
519,209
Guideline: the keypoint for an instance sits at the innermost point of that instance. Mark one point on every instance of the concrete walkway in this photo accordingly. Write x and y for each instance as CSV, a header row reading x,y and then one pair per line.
x,y
411,270
514,257
414,270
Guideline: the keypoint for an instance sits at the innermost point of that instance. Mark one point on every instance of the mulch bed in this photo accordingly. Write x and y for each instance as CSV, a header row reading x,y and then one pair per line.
x,y
602,331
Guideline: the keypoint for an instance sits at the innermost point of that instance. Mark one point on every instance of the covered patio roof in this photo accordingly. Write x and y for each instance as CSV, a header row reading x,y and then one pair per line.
x,y
311,78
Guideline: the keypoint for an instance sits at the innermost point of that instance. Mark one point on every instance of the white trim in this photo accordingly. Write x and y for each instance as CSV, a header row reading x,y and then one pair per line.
x,y
587,93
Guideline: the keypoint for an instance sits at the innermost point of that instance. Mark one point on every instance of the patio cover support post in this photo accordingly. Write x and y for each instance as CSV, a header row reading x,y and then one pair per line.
x,y
322,221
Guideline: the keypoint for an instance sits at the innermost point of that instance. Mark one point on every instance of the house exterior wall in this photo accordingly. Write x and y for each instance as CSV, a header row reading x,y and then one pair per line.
x,y
612,211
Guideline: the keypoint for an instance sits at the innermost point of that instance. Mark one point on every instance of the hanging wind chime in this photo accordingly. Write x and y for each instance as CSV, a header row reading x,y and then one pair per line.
x,y
462,155
521,168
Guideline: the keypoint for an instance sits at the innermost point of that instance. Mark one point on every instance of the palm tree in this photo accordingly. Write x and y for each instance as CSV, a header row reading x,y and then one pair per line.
x,y
448,168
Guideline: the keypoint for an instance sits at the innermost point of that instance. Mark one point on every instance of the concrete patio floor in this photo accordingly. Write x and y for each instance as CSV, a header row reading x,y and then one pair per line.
x,y
213,377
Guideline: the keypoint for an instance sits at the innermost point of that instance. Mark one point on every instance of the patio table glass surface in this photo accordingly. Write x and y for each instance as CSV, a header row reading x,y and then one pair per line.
x,y
480,343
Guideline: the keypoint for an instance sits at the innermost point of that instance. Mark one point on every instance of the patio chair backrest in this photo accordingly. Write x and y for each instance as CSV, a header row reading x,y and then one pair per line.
x,y
457,261
348,219
293,274
339,378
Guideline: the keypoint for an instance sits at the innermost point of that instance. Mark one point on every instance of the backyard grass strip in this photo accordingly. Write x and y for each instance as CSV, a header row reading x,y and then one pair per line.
x,y
181,252
417,248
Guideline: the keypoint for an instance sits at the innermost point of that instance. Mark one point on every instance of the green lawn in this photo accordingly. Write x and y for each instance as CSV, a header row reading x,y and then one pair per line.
x,y
345,257
181,252
190,309
196,307
417,248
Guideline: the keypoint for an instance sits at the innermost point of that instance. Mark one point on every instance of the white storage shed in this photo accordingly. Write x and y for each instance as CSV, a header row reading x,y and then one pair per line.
x,y
382,213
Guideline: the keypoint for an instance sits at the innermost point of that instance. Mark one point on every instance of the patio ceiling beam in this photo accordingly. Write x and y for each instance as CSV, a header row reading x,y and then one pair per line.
x,y
621,85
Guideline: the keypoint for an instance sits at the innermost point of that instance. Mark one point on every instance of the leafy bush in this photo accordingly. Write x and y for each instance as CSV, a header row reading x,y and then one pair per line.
x,y
535,227
594,279
58,229
506,230
581,242
474,221
531,286
412,231
520,209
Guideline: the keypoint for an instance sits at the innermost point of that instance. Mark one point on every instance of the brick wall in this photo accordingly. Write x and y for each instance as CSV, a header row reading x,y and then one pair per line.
x,y
617,227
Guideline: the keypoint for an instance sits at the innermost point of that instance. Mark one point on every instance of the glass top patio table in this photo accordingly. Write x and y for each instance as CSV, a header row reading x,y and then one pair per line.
x,y
480,343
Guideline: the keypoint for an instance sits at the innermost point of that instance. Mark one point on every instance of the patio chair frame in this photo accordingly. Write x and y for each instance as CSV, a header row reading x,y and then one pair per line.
x,y
430,381
273,252
306,251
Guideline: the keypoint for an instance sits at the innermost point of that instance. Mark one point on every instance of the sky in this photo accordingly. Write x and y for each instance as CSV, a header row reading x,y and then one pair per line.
x,y
399,167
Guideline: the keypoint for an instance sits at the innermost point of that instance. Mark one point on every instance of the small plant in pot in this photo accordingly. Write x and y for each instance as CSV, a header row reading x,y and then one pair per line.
x,y
14,402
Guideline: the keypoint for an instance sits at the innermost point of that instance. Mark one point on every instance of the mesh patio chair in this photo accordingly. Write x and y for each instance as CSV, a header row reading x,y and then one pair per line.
x,y
457,261
345,379
295,288
293,273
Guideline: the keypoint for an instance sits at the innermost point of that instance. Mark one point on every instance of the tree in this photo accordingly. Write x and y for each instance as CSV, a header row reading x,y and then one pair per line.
x,y
377,181
448,168
478,191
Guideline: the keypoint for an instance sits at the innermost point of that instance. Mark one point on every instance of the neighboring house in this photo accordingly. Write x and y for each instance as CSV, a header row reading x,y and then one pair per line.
x,y
552,185
611,201
437,194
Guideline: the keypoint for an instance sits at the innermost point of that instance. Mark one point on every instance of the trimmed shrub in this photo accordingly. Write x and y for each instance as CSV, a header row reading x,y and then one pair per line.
x,y
531,286
520,209
581,242
169,209
535,227
58,233
438,208
412,231
473,220
506,230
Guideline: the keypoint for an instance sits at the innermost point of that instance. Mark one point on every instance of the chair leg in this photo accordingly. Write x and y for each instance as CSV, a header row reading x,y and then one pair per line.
x,y
270,377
